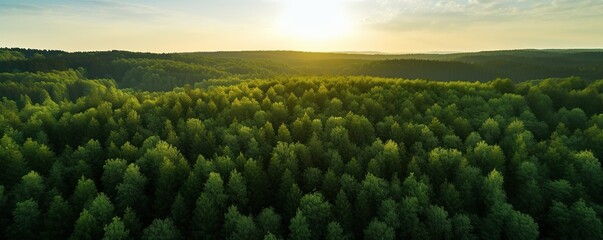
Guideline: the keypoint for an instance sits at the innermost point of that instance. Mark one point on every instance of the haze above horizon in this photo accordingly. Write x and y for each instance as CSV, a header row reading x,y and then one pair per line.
x,y
360,26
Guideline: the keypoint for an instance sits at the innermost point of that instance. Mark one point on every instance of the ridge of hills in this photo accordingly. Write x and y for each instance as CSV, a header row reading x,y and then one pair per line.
x,y
137,69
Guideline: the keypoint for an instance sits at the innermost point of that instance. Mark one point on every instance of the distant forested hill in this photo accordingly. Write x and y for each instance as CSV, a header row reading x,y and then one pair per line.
x,y
163,72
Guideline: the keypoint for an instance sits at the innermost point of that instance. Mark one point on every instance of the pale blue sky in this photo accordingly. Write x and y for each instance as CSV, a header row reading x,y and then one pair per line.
x,y
311,25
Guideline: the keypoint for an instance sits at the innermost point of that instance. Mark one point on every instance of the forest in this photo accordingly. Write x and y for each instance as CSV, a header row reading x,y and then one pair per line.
x,y
291,145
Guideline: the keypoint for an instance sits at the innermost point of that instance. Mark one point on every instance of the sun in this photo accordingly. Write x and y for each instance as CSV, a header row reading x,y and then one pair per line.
x,y
314,19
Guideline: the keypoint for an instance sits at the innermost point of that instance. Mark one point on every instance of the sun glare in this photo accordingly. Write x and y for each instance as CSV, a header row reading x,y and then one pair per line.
x,y
314,19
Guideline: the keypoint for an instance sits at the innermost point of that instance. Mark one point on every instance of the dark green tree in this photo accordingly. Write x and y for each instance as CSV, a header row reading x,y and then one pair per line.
x,y
521,226
12,164
270,236
462,228
208,215
39,156
317,212
335,232
245,228
116,230
292,199
26,218
130,193
86,227
179,212
161,229
437,223
342,211
113,175
257,180
576,222
269,221
132,222
172,173
377,230
58,219
299,228
490,131
102,209
84,193
388,213
236,190
31,186
283,134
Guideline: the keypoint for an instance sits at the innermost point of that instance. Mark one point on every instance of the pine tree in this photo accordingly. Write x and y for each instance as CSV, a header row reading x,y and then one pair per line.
x,y
116,230
132,222
269,221
208,214
58,219
377,230
161,229
335,232
26,218
86,227
299,228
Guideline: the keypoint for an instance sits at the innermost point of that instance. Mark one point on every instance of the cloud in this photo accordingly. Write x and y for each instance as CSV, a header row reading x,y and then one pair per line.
x,y
10,6
83,10
493,7
446,14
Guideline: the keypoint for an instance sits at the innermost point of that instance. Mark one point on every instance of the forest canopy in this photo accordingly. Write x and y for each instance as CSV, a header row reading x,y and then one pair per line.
x,y
233,148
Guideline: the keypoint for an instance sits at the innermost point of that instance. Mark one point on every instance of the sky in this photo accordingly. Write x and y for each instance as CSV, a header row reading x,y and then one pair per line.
x,y
392,26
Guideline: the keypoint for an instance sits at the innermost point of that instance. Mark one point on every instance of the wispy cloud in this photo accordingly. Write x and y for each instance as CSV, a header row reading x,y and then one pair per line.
x,y
413,14
107,10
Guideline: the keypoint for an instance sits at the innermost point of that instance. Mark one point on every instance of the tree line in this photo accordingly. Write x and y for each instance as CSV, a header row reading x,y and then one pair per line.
x,y
163,72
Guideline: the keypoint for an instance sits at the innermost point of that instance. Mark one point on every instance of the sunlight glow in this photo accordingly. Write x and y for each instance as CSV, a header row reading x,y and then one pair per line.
x,y
314,19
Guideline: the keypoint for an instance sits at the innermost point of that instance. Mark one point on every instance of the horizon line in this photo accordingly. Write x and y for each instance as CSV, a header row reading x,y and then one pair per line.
x,y
351,52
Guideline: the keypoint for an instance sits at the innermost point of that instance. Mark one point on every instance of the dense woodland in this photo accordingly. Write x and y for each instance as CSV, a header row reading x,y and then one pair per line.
x,y
164,72
248,149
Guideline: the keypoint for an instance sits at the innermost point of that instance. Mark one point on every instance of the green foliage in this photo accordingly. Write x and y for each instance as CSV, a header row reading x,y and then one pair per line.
x,y
12,165
462,228
342,211
299,228
317,212
437,222
377,230
86,227
113,172
521,226
487,157
132,222
31,186
297,157
237,190
208,214
245,228
490,131
131,191
102,209
270,236
161,229
26,218
84,193
269,221
335,232
116,230
8,55
58,220
576,222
